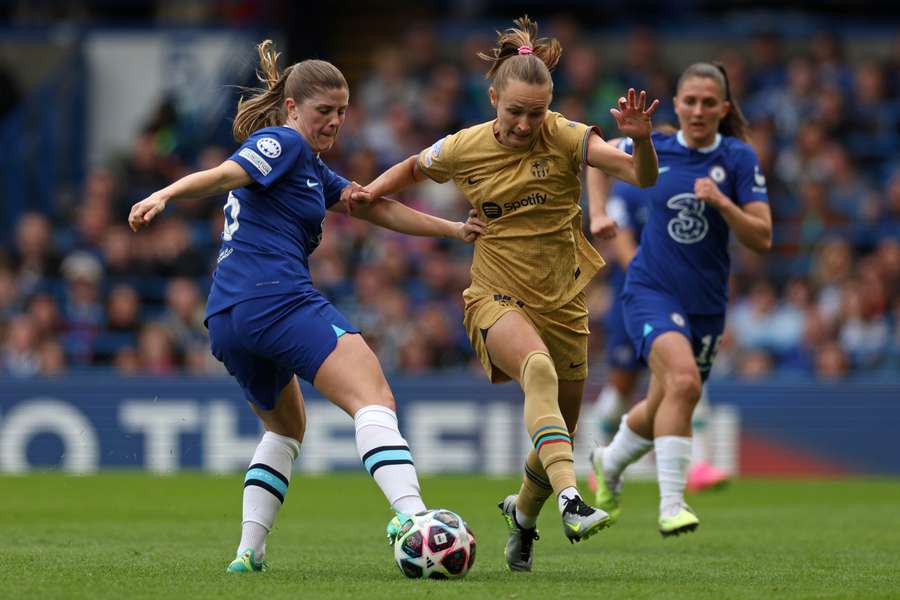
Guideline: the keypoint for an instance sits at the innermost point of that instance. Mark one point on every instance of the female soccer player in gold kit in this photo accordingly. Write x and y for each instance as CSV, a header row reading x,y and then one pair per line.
x,y
525,309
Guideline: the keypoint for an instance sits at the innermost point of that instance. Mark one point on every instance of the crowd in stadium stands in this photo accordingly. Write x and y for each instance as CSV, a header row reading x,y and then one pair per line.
x,y
79,290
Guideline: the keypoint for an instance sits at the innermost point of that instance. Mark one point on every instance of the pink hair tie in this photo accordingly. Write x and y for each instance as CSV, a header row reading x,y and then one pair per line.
x,y
525,50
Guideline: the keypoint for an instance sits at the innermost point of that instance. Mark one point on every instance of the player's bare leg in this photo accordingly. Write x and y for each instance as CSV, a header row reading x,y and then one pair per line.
x,y
268,477
352,379
516,349
672,362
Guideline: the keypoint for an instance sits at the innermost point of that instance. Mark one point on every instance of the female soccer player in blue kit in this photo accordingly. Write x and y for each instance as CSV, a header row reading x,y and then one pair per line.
x,y
266,320
674,298
618,213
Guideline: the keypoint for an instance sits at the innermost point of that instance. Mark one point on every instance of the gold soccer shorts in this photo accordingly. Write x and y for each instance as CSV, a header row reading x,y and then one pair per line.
x,y
563,330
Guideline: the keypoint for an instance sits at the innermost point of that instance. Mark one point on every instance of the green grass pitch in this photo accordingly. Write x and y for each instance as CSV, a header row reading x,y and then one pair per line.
x,y
132,535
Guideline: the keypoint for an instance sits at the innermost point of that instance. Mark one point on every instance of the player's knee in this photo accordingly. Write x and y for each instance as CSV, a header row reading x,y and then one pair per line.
x,y
538,368
294,428
685,386
378,395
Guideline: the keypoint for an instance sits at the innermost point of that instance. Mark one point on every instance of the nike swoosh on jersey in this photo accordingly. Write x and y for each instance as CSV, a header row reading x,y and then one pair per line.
x,y
663,169
311,183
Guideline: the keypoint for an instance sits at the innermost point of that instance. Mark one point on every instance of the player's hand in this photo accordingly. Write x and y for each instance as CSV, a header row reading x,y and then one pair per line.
x,y
603,227
472,229
354,195
633,116
707,191
144,211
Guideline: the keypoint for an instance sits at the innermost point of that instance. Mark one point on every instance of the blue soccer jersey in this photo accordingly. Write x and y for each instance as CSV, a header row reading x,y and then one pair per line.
x,y
275,223
684,246
625,205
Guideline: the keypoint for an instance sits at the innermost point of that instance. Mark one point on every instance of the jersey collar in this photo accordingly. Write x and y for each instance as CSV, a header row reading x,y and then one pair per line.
x,y
705,149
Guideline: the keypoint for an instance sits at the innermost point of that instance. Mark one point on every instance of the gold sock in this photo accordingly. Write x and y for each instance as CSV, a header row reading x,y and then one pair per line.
x,y
535,488
545,423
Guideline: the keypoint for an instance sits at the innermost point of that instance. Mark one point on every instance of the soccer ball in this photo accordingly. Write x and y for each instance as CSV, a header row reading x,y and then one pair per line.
x,y
435,544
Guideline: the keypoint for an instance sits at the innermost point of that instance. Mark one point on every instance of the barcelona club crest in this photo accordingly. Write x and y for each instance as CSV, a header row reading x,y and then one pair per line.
x,y
540,168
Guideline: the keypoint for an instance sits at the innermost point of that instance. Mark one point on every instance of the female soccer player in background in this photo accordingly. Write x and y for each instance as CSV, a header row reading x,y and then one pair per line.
x,y
266,320
625,205
525,310
675,290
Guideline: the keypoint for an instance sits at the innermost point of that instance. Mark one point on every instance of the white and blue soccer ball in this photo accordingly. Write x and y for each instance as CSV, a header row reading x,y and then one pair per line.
x,y
435,544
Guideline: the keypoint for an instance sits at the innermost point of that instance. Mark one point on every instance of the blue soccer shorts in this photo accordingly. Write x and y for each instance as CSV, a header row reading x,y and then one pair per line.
x,y
264,341
650,313
620,352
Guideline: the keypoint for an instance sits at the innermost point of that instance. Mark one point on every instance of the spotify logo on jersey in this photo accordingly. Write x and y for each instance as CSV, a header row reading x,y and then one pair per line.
x,y
491,210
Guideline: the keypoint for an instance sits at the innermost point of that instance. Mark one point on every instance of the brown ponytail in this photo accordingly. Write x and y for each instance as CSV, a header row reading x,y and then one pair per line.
x,y
265,107
734,124
522,56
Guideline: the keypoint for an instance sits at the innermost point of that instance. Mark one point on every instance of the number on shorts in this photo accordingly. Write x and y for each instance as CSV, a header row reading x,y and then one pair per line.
x,y
708,352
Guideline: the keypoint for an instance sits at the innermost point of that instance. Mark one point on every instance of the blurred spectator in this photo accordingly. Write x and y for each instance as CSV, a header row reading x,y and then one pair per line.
x,y
804,160
123,314
172,252
832,268
82,309
827,51
864,334
420,49
155,354
767,70
762,323
754,365
832,113
9,294
51,359
117,252
871,118
34,258
20,348
183,316
388,83
831,363
45,317
434,326
794,104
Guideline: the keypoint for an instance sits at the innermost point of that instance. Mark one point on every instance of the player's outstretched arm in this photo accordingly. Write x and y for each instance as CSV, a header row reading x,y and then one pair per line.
x,y
399,177
396,216
633,118
227,176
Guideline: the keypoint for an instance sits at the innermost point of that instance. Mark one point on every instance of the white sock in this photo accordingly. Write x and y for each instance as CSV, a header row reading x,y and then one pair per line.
x,y
625,449
566,495
385,455
525,521
610,408
673,455
265,487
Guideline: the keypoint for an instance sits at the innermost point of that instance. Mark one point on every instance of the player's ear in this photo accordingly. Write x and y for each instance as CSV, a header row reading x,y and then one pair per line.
x,y
290,106
726,108
492,94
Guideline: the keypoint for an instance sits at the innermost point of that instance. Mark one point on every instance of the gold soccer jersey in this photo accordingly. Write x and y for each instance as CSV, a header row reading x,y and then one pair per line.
x,y
533,249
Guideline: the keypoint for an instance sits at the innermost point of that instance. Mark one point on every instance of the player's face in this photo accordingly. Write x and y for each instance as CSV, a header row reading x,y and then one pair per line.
x,y
319,117
521,108
700,106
